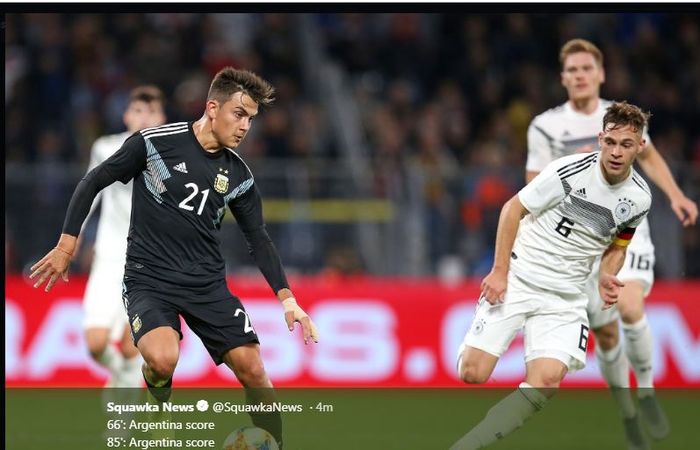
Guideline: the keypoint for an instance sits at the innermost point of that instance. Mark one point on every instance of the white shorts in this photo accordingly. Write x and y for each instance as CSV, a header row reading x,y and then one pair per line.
x,y
555,324
103,303
639,266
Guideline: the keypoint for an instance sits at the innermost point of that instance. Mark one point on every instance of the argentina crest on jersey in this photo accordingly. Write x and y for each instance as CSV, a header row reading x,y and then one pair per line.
x,y
221,182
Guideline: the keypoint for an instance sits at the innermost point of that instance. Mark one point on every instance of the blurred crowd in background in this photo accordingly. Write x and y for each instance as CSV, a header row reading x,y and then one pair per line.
x,y
444,102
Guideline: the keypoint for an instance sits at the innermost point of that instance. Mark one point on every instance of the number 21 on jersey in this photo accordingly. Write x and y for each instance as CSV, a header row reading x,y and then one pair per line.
x,y
185,204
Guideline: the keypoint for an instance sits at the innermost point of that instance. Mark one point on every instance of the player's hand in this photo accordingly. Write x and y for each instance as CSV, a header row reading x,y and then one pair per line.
x,y
55,264
493,287
685,209
609,288
294,313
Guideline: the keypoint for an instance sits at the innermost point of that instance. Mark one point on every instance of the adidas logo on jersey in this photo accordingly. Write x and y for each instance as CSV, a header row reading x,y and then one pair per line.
x,y
581,192
181,167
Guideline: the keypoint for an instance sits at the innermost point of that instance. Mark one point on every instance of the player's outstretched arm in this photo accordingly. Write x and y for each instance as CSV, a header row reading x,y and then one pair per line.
x,y
248,212
293,313
609,285
656,168
493,287
122,166
57,261
55,264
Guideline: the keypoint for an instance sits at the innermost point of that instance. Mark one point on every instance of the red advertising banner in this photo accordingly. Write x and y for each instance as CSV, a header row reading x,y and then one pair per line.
x,y
374,332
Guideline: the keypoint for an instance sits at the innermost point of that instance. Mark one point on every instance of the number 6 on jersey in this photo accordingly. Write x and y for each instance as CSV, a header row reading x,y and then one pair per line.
x,y
564,227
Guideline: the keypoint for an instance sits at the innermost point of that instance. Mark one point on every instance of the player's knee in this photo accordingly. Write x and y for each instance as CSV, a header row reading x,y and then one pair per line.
x,y
163,366
631,315
471,373
607,336
548,380
631,305
252,374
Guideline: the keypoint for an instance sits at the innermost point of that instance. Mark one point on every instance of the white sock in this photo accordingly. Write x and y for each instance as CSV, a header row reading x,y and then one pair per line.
x,y
615,370
613,366
111,359
503,418
638,346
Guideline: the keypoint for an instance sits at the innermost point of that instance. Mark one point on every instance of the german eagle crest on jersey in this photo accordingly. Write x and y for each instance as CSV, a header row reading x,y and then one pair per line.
x,y
221,183
623,209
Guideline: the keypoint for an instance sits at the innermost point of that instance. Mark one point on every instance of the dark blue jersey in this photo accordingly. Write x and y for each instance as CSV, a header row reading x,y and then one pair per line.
x,y
180,196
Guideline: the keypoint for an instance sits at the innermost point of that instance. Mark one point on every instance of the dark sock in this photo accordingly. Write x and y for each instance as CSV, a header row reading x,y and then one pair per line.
x,y
160,393
270,422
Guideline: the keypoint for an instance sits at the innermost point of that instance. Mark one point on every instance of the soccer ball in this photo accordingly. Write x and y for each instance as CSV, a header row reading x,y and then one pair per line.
x,y
250,438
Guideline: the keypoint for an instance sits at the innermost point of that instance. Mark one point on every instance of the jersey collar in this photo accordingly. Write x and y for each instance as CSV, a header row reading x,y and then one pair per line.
x,y
207,154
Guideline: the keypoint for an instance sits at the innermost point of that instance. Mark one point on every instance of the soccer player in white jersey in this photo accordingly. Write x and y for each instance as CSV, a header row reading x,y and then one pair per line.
x,y
572,128
105,319
579,208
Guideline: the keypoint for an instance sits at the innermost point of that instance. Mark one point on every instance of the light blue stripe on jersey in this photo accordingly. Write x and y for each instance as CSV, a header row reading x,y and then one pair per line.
x,y
239,190
156,172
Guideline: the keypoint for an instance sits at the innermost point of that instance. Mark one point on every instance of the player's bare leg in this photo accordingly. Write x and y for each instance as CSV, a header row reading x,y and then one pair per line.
x,y
638,346
104,353
510,413
246,363
545,374
475,366
160,349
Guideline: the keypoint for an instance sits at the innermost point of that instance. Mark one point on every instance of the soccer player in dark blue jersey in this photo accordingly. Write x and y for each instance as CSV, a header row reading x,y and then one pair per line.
x,y
185,176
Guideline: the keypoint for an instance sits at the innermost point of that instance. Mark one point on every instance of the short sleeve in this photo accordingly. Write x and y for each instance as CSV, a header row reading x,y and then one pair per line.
x,y
544,191
539,149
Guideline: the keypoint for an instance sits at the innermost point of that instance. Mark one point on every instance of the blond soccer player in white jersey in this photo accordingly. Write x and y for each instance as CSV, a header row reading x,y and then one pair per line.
x,y
572,128
105,319
549,237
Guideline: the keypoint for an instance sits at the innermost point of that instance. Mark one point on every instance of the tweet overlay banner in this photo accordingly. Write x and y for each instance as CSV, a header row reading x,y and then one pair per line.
x,y
322,419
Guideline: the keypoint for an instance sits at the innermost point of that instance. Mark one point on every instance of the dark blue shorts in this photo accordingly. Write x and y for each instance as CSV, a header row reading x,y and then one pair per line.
x,y
215,315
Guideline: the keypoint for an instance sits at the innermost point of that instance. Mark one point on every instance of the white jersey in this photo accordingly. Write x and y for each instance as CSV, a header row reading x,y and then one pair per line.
x,y
561,131
574,216
115,215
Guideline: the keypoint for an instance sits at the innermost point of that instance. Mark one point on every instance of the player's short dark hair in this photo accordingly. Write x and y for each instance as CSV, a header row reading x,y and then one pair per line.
x,y
147,93
228,81
580,46
622,114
